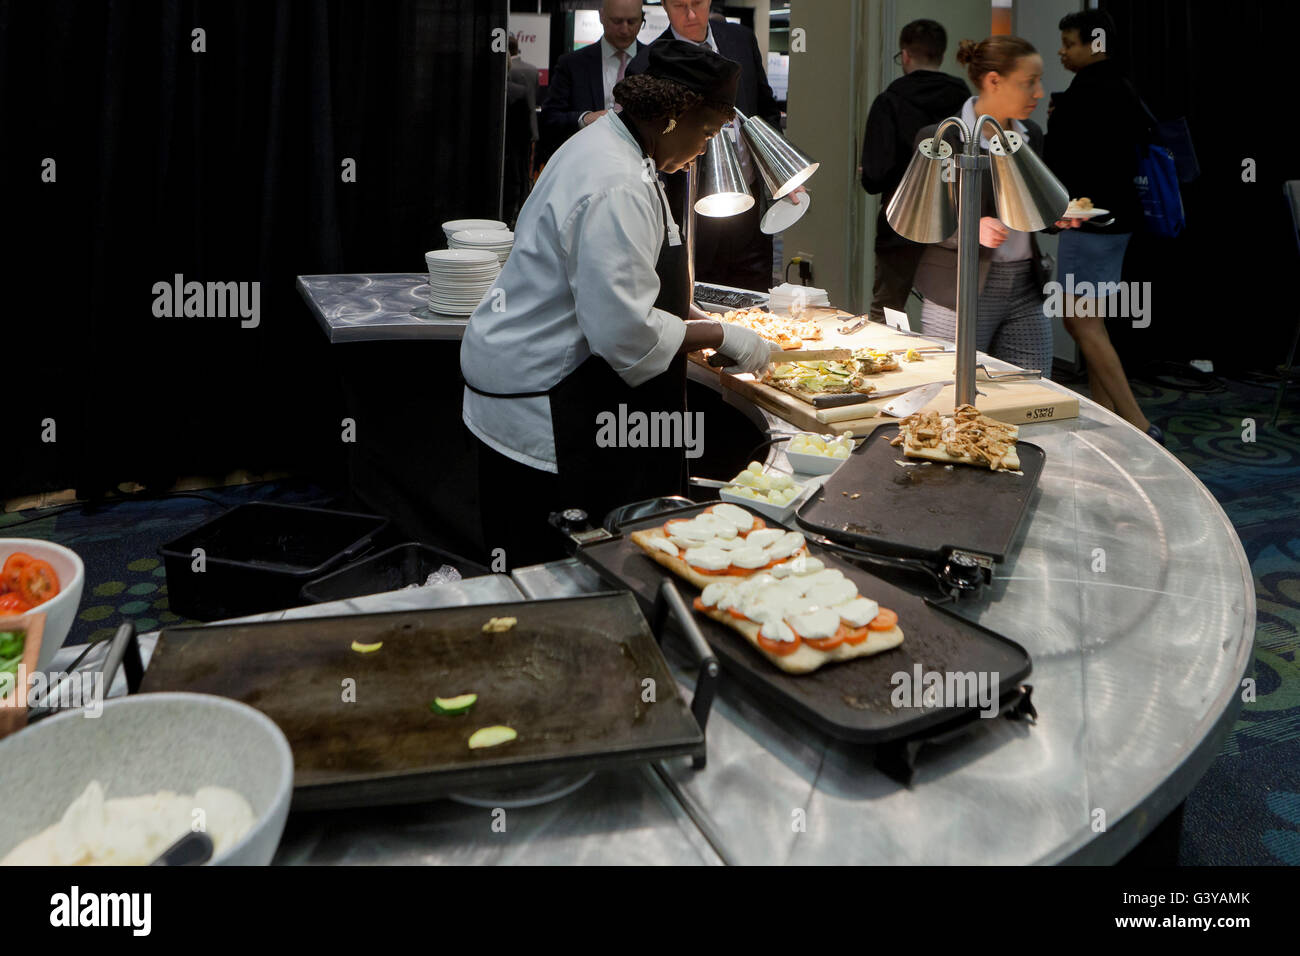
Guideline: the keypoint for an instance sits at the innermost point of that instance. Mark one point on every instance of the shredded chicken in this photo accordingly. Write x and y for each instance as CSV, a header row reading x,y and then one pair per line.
x,y
966,435
784,331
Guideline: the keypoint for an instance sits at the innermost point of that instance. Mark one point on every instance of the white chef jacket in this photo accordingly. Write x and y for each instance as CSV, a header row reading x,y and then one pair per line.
x,y
580,281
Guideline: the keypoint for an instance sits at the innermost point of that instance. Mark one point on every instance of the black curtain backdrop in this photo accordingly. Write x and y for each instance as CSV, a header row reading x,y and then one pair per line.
x,y
224,165
1221,290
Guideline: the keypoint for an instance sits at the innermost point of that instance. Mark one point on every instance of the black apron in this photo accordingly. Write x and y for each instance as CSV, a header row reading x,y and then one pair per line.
x,y
599,479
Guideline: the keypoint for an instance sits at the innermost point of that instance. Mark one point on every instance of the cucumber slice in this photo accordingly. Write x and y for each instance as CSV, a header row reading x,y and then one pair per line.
x,y
451,706
491,737
366,648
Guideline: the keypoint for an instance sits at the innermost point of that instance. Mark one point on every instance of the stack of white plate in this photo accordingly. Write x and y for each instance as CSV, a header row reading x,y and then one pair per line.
x,y
497,241
453,226
459,278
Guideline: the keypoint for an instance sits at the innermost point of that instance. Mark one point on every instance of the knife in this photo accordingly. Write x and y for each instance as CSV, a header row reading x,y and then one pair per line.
x,y
836,401
914,400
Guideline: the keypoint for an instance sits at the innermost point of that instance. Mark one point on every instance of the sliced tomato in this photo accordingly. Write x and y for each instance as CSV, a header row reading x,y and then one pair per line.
x,y
884,621
759,524
699,605
730,571
779,648
736,614
826,643
855,635
13,567
37,582
13,603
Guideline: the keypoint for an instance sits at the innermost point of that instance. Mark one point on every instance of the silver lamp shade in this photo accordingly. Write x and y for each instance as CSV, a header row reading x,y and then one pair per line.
x,y
924,206
1028,196
723,191
782,165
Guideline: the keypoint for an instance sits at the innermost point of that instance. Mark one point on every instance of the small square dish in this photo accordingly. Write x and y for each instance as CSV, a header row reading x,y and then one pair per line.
x,y
811,454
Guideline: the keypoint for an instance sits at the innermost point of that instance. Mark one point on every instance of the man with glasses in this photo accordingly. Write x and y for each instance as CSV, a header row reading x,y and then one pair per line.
x,y
582,84
921,97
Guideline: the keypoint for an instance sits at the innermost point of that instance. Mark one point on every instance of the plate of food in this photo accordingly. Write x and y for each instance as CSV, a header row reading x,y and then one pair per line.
x,y
810,380
1082,208
772,494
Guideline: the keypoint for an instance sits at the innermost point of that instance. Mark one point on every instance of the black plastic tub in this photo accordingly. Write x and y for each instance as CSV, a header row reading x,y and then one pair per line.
x,y
387,571
258,556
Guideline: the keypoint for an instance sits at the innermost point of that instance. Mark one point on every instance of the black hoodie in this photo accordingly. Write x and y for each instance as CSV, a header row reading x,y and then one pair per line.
x,y
913,101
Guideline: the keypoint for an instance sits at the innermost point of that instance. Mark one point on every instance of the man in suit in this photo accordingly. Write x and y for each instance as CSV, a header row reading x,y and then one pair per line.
x,y
731,251
521,131
921,96
582,83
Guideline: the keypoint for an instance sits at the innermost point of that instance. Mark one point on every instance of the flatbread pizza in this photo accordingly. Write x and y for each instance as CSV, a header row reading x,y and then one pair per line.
x,y
762,583
966,437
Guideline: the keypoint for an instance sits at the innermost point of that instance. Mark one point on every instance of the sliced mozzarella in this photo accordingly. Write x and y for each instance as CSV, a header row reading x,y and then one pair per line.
x,y
777,630
808,566
716,593
734,515
749,558
859,612
789,543
664,545
816,624
708,559
829,593
764,537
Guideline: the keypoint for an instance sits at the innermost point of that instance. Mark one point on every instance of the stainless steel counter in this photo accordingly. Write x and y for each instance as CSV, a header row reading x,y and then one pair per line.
x,y
1137,670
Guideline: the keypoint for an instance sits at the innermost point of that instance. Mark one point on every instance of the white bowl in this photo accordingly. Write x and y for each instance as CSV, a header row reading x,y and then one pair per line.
x,y
61,610
781,514
806,464
140,745
453,226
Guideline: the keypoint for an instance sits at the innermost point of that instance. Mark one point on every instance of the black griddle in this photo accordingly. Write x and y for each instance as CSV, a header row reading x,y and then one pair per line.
x,y
569,677
924,510
851,700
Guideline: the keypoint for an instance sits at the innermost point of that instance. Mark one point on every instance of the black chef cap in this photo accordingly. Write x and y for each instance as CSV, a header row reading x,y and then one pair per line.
x,y
698,69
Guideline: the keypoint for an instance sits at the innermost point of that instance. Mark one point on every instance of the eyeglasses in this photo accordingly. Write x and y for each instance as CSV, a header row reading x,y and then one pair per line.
x,y
898,58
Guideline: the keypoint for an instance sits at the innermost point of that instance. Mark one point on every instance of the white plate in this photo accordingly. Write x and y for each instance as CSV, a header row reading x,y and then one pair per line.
x,y
444,257
1085,213
460,225
783,214
485,237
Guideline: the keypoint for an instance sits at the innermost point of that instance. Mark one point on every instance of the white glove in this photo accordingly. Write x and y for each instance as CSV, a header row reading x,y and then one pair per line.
x,y
747,350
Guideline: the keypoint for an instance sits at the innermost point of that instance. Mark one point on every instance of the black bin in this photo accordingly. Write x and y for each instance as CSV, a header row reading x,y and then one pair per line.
x,y
387,571
258,556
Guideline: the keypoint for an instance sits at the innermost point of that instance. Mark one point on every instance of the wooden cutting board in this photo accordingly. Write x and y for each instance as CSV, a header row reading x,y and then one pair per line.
x,y
1015,402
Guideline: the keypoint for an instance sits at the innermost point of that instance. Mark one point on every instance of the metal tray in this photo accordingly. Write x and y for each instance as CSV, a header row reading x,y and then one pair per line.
x,y
849,701
568,677
923,510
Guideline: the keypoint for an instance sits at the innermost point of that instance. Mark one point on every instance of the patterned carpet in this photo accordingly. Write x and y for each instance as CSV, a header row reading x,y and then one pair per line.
x,y
1246,810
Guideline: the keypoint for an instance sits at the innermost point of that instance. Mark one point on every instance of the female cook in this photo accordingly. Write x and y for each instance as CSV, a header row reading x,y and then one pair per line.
x,y
579,326
1011,324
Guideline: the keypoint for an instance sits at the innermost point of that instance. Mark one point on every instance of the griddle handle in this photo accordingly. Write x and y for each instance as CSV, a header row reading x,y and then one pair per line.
x,y
669,601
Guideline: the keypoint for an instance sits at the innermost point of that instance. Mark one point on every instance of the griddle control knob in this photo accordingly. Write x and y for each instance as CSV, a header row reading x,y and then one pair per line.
x,y
963,571
570,520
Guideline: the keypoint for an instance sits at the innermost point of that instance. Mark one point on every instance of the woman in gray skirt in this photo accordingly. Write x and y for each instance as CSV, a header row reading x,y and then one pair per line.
x,y
1011,323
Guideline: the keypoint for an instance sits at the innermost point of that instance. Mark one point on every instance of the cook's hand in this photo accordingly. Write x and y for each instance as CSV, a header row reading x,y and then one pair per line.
x,y
794,196
592,117
992,232
747,350
1069,223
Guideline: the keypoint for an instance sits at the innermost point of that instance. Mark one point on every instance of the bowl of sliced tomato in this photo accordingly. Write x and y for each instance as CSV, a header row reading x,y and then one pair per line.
x,y
44,576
